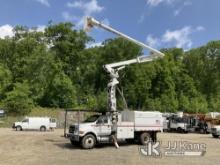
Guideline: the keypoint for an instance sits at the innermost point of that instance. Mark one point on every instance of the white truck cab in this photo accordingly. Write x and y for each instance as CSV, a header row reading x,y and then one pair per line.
x,y
178,124
215,130
131,125
35,123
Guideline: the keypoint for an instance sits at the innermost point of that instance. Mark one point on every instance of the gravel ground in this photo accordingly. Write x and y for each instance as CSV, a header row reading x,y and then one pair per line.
x,y
50,148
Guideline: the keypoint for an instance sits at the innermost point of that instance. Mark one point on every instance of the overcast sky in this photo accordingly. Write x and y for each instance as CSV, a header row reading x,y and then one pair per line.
x,y
159,23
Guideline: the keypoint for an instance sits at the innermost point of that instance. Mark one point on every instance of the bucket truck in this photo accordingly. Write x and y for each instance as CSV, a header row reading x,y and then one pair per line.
x,y
114,126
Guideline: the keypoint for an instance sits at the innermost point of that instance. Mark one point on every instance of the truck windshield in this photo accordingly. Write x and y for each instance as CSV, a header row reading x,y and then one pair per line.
x,y
92,118
181,120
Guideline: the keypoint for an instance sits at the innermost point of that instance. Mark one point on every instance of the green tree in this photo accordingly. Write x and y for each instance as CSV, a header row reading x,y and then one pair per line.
x,y
18,101
5,79
60,93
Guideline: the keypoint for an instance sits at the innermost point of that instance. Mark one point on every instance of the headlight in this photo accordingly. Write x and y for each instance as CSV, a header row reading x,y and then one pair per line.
x,y
81,132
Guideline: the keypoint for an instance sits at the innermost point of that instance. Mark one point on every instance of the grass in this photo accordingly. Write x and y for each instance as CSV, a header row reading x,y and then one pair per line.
x,y
38,111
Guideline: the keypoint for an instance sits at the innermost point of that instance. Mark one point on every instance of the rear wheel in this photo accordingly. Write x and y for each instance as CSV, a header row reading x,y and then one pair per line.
x,y
43,128
145,137
180,130
88,141
18,128
215,136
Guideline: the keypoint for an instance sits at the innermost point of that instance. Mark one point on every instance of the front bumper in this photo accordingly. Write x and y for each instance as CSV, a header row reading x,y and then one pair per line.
x,y
73,137
215,131
13,126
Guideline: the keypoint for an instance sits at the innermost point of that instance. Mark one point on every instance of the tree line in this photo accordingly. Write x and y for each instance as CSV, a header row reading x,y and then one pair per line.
x,y
54,68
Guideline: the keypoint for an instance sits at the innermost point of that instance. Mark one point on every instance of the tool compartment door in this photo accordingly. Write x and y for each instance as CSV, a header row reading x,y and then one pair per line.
x,y
125,130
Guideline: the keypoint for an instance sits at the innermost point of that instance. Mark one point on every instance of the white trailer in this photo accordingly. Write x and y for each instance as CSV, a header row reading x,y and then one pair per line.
x,y
35,123
131,126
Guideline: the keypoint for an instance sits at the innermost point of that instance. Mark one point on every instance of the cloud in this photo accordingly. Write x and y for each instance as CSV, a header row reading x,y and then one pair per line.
x,y
87,7
200,28
152,41
68,17
176,5
141,18
92,45
44,2
6,30
177,12
180,9
180,38
40,28
154,3
79,21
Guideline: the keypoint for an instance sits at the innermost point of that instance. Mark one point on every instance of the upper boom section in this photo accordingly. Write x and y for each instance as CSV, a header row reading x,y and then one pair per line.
x,y
90,22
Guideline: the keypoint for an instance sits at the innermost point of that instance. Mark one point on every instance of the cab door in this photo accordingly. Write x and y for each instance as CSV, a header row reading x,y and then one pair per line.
x,y
103,126
25,124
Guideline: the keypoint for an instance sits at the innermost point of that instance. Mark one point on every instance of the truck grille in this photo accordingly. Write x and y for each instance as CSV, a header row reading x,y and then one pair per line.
x,y
71,129
213,130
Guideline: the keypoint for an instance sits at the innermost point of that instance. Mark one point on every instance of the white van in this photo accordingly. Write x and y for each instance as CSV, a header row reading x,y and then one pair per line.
x,y
35,123
2,113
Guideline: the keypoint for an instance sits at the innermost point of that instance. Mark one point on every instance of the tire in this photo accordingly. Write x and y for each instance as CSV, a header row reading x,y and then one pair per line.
x,y
145,137
180,130
42,128
88,141
18,128
215,136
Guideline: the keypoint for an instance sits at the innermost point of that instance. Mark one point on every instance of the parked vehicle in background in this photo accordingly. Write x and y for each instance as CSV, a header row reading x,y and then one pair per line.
x,y
215,130
131,126
2,113
179,124
184,122
175,122
35,123
210,119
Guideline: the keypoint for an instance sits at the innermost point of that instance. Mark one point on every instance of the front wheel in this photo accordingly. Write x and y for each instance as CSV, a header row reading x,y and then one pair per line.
x,y
18,128
42,128
88,141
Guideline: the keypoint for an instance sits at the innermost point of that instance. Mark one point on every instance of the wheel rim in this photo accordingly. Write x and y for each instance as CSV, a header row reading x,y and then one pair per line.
x,y
89,142
42,129
146,139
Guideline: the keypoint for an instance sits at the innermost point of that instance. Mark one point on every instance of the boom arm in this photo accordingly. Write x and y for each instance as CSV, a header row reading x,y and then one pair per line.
x,y
141,59
90,22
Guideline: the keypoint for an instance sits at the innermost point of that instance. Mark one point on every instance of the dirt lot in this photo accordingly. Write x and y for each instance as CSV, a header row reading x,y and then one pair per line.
x,y
44,148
